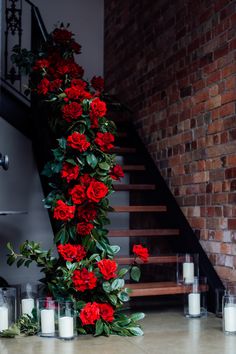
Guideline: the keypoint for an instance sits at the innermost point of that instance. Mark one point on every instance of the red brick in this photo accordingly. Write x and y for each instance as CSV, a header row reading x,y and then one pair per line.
x,y
214,102
228,97
232,224
227,109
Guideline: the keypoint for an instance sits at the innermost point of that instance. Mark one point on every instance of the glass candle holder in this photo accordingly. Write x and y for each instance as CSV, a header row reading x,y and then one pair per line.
x,y
187,268
195,298
219,293
7,307
229,314
28,299
47,317
66,320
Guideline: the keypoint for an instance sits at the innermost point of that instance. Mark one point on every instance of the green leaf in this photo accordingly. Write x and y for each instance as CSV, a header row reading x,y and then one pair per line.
x,y
123,296
137,316
62,143
106,287
20,262
98,328
91,160
62,236
122,272
104,166
135,273
136,331
117,284
113,299
106,330
115,249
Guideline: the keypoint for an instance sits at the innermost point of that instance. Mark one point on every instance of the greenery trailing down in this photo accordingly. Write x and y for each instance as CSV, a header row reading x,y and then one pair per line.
x,y
25,326
81,177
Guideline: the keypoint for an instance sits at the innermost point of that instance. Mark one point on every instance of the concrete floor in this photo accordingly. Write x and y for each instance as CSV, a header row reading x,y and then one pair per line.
x,y
166,332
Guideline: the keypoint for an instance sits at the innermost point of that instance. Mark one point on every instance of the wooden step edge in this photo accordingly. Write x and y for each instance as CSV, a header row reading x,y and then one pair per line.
x,y
160,288
131,168
139,208
151,260
144,232
129,187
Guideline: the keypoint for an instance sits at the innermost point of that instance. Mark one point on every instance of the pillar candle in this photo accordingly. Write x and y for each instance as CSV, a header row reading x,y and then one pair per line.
x,y
47,321
188,272
66,327
194,308
27,305
230,318
3,318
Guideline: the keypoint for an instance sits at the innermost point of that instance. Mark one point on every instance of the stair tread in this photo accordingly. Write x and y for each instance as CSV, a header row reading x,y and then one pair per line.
x,y
139,208
133,168
123,187
143,232
151,259
159,288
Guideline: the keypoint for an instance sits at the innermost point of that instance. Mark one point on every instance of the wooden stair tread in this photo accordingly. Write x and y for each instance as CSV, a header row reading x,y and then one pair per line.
x,y
151,260
127,168
159,288
139,208
123,150
143,232
127,187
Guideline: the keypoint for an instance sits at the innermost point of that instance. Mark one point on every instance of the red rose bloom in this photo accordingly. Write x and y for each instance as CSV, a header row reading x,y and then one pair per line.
x,y
77,93
72,111
76,47
90,313
63,212
84,280
106,312
71,252
55,85
98,108
98,83
84,228
41,64
96,191
78,141
78,194
43,86
62,35
70,172
94,121
87,212
85,179
116,172
104,141
141,252
108,268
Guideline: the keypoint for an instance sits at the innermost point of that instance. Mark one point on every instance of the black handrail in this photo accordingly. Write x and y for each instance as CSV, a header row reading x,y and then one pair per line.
x,y
37,15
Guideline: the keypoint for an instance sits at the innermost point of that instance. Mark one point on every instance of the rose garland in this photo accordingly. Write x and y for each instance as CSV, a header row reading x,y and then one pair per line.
x,y
82,174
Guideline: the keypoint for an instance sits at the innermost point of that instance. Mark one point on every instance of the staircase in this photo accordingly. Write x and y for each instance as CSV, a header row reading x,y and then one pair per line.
x,y
155,219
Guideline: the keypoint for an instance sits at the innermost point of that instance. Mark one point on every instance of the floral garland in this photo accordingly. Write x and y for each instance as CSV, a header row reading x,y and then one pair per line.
x,y
82,174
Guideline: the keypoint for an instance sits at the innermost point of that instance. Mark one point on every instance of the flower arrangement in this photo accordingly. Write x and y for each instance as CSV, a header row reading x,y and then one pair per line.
x,y
81,179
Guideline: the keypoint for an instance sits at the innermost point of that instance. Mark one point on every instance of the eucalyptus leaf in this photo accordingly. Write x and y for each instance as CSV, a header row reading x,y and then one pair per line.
x,y
135,273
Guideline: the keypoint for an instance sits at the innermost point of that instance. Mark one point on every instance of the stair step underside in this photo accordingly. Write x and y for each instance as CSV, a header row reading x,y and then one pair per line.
x,y
151,260
144,232
159,288
129,187
123,150
127,168
139,208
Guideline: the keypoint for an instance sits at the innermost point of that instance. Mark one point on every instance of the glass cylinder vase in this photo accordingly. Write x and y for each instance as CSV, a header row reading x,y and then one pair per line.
x,y
187,268
195,298
7,307
229,314
66,320
28,299
47,317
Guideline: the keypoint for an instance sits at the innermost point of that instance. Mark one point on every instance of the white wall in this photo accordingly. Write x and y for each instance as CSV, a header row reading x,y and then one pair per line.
x,y
20,190
86,19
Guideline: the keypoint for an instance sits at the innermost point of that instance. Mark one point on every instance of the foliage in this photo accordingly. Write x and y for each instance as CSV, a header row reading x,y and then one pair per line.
x,y
81,179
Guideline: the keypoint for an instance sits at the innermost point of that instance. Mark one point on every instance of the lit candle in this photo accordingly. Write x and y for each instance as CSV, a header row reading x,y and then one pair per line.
x,y
194,308
47,321
230,318
27,305
188,272
3,318
66,327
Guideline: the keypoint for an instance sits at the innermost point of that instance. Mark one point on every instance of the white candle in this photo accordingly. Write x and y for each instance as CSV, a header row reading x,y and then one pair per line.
x,y
66,327
194,308
3,318
188,272
230,318
47,321
27,305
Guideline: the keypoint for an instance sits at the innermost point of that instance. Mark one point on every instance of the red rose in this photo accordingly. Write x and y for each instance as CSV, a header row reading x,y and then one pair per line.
x,y
43,86
64,212
62,35
106,312
104,141
87,212
84,280
96,191
78,141
55,85
141,252
94,121
78,194
90,313
108,268
98,83
84,228
70,172
77,93
98,108
41,64
85,179
76,47
71,252
116,172
72,111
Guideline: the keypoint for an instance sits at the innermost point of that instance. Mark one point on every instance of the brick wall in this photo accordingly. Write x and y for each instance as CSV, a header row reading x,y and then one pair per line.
x,y
173,63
